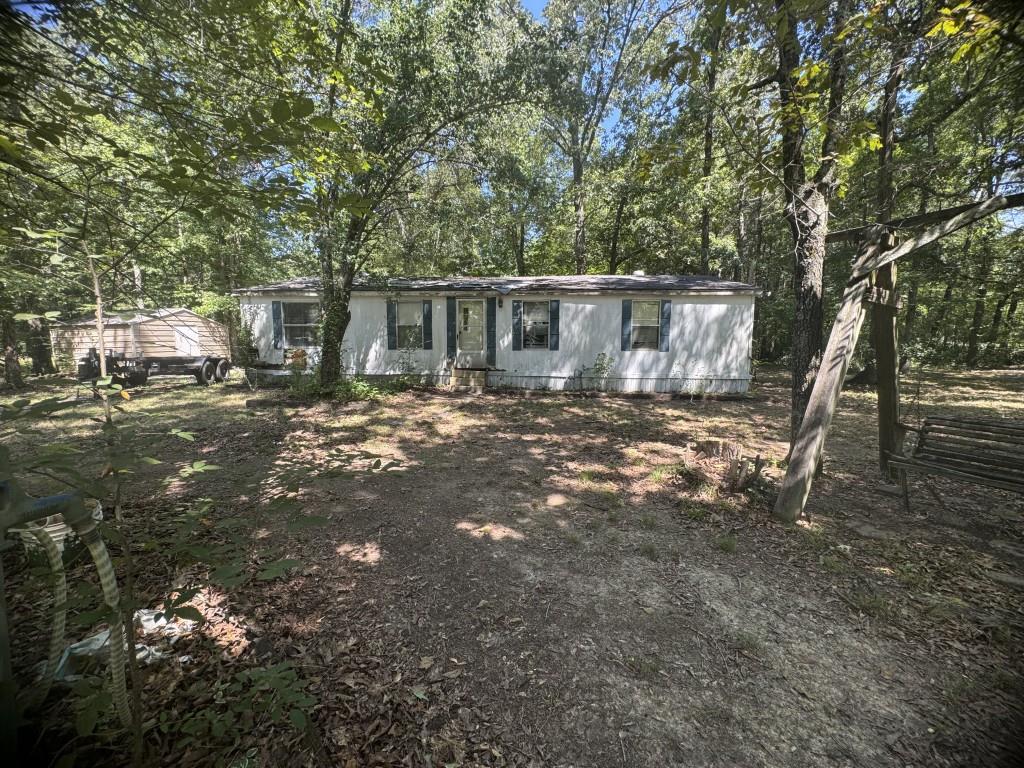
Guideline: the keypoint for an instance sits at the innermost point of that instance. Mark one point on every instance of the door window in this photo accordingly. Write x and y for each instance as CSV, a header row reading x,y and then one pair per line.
x,y
471,326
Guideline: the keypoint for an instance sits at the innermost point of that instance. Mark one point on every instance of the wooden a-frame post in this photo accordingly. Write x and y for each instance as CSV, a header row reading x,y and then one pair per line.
x,y
828,384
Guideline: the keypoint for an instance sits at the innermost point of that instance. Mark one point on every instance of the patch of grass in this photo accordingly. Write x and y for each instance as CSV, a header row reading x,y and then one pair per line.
x,y
726,543
649,551
594,523
659,475
610,498
573,539
748,643
586,476
648,522
872,604
707,491
833,564
693,510
613,518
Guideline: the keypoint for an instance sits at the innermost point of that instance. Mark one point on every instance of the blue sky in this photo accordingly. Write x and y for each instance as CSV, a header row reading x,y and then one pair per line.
x,y
536,7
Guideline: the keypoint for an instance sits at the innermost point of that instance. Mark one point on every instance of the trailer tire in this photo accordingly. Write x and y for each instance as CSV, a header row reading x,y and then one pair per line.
x,y
205,373
221,371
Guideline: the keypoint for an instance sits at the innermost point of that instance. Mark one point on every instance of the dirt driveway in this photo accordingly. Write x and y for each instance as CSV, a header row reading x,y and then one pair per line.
x,y
562,581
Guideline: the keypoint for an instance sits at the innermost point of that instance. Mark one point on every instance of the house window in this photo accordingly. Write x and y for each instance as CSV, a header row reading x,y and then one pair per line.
x,y
536,324
410,325
646,325
301,323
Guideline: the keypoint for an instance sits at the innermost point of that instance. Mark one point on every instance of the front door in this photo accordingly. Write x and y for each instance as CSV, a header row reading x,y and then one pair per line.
x,y
471,329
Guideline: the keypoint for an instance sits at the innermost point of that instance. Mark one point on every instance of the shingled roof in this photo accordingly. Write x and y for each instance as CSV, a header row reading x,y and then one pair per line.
x,y
507,285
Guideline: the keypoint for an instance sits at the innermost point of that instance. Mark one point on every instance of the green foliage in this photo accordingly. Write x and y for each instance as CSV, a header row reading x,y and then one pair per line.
x,y
239,705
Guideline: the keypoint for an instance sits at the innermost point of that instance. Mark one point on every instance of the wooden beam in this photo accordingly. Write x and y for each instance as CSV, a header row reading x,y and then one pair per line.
x,y
810,439
923,219
885,341
971,215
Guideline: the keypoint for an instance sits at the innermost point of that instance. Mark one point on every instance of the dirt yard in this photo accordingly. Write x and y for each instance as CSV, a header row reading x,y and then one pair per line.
x,y
562,581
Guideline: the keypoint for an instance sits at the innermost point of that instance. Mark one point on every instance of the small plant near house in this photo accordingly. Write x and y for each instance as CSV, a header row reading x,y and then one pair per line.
x,y
250,698
600,369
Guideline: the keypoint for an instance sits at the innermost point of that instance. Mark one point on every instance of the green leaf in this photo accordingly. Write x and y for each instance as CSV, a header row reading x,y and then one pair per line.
x,y
228,575
277,569
281,112
323,123
188,612
304,522
420,692
87,717
298,718
302,107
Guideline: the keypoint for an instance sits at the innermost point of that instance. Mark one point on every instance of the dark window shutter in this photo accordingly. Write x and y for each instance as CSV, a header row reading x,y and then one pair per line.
x,y
277,315
450,336
492,321
392,325
428,325
627,324
553,308
517,325
666,323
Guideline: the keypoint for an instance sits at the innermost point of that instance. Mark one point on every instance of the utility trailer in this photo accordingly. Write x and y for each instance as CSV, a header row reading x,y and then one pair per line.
x,y
161,342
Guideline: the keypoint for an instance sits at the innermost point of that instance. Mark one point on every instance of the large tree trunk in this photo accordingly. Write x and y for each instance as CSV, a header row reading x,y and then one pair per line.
x,y
709,145
579,201
807,200
9,338
809,226
337,295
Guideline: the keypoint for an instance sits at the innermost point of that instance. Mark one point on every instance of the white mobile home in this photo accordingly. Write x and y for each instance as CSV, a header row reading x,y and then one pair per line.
x,y
637,333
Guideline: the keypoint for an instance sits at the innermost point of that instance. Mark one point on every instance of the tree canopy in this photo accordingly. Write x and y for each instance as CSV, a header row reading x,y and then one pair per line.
x,y
249,141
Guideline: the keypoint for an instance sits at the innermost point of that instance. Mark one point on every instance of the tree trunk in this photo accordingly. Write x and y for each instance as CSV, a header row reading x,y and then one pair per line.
x,y
1011,314
613,251
521,249
579,238
38,346
709,145
337,294
997,319
807,200
12,368
809,226
980,294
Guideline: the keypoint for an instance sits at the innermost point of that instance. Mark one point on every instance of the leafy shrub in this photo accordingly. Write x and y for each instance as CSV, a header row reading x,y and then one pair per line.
x,y
358,388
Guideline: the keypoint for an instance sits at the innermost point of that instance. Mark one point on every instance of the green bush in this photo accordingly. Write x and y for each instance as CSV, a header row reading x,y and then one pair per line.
x,y
358,388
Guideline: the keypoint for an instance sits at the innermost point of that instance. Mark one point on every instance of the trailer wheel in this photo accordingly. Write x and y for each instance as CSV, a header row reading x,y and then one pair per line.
x,y
138,377
205,373
221,371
